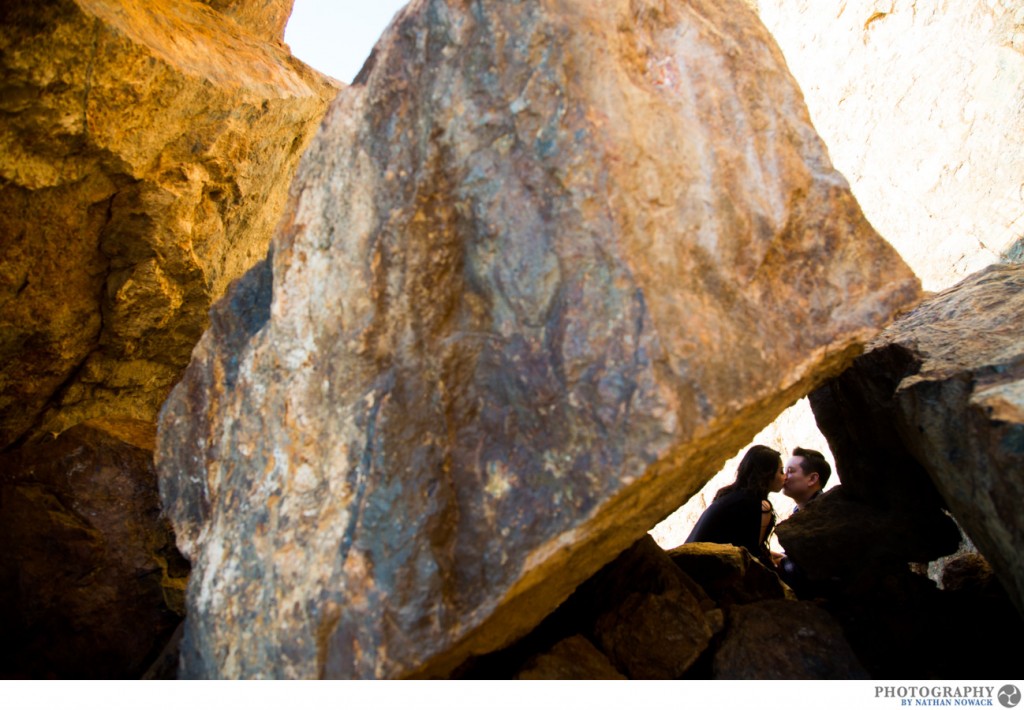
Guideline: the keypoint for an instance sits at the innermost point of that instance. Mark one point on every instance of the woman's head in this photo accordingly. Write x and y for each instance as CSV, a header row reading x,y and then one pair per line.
x,y
760,470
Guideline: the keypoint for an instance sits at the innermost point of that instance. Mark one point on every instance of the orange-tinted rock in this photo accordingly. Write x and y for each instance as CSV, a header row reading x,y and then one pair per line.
x,y
654,636
145,155
91,584
729,574
264,18
545,268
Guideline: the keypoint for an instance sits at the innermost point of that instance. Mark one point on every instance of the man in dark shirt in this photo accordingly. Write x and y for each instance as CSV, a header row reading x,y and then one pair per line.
x,y
807,473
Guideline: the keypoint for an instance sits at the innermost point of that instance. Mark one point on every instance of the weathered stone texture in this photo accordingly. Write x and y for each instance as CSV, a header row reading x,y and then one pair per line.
x,y
814,647
921,106
945,380
648,617
844,540
91,584
145,152
264,18
541,273
574,658
654,636
729,574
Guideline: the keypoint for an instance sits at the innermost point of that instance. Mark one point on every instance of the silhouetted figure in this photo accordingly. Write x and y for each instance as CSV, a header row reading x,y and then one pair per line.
x,y
740,513
807,473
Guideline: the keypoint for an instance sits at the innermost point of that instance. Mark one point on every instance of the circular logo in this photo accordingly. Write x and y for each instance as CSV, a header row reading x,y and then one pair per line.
x,y
1009,696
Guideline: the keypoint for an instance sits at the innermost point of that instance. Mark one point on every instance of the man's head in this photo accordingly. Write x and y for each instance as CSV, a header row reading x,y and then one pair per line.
x,y
807,472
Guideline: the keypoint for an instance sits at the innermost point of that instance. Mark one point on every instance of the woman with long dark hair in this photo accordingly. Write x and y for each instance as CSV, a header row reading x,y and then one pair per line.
x,y
740,513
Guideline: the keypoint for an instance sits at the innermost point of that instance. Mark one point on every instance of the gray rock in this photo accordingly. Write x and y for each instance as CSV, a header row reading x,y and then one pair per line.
x,y
541,272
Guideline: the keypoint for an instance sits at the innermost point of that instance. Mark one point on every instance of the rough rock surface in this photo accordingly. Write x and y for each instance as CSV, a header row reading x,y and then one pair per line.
x,y
654,636
728,574
897,622
918,103
91,584
642,614
967,572
574,658
815,647
145,154
841,539
648,617
264,18
947,380
903,626
541,272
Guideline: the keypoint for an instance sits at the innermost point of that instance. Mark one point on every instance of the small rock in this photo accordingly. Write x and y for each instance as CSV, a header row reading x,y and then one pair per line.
x,y
729,574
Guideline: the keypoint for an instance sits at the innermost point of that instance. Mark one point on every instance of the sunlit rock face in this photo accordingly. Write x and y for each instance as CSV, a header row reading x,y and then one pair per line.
x,y
264,18
946,379
920,106
543,270
145,152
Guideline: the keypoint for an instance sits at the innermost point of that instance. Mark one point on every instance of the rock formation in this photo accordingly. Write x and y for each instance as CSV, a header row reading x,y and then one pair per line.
x,y
934,411
814,648
638,617
918,103
729,574
91,583
263,18
855,540
145,155
574,658
541,273
650,619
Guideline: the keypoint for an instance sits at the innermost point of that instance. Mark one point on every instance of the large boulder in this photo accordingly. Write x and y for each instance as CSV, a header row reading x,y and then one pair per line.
x,y
145,156
91,584
942,390
543,270
842,543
